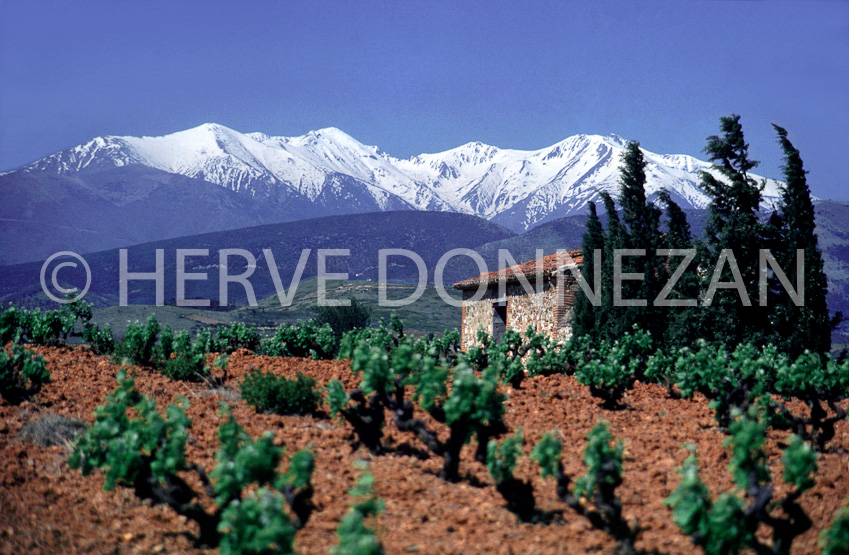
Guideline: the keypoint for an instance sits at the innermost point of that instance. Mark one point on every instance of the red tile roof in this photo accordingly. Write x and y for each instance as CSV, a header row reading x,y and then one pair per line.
x,y
528,269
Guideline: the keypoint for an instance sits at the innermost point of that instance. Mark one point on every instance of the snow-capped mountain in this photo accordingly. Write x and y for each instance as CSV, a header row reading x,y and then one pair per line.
x,y
329,172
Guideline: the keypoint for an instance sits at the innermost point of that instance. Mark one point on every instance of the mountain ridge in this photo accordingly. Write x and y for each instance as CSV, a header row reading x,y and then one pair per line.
x,y
115,191
473,178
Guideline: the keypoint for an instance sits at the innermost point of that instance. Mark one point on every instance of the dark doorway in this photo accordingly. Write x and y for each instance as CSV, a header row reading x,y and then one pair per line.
x,y
499,320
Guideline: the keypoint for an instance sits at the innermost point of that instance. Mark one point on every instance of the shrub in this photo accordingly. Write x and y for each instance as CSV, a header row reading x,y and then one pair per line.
x,y
343,319
729,524
604,464
389,336
22,373
835,540
473,407
616,366
545,356
207,342
732,380
546,453
500,462
139,344
237,336
188,362
752,377
175,355
355,538
477,355
366,414
820,384
430,383
268,393
577,350
303,340
148,447
140,449
48,328
256,524
100,341
10,325
598,485
364,407
385,337
501,458
659,369
186,368
607,379
507,357
445,347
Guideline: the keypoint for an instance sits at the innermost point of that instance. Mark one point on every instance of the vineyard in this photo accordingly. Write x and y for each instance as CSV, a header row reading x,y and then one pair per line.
x,y
314,441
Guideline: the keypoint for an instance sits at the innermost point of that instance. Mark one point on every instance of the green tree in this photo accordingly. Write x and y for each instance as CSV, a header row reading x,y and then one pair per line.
x,y
343,318
638,228
588,319
808,326
641,220
614,239
681,322
733,226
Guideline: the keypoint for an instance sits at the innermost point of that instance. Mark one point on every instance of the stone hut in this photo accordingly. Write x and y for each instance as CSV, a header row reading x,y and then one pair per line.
x,y
507,302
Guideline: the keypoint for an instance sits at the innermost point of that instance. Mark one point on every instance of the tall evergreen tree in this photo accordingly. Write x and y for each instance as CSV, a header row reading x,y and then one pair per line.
x,y
780,309
807,326
678,233
615,238
588,319
642,222
733,224
681,322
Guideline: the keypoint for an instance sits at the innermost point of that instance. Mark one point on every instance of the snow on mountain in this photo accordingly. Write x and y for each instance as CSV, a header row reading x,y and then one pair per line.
x,y
337,173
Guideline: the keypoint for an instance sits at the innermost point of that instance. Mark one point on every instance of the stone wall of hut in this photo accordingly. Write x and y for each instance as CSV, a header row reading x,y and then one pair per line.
x,y
539,309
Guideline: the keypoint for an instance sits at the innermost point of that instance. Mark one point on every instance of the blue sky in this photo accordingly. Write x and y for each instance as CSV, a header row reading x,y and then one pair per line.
x,y
416,77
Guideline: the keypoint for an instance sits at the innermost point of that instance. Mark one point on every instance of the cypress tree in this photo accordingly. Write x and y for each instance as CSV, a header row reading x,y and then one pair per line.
x,y
678,234
588,319
637,229
733,224
642,222
682,323
632,190
807,326
615,319
779,303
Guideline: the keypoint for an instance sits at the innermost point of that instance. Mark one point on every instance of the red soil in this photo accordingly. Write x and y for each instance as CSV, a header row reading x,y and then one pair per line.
x,y
46,507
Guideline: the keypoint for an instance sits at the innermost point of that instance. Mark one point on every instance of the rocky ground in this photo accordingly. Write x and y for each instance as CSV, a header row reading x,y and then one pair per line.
x,y
46,507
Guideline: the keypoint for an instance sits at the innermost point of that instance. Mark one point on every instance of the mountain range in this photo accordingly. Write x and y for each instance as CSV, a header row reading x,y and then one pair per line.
x,y
116,191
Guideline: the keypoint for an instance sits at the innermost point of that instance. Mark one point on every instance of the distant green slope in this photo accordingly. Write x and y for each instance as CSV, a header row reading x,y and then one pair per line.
x,y
429,234
430,314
